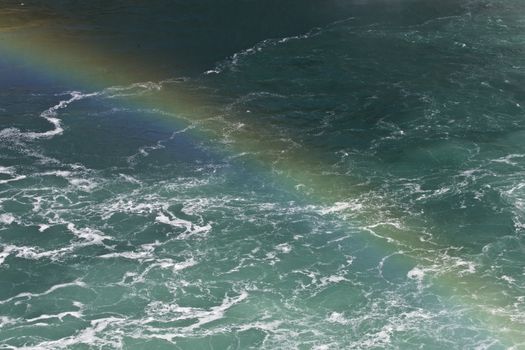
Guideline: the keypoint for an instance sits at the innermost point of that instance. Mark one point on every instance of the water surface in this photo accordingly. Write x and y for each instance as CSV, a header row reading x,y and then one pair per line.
x,y
275,175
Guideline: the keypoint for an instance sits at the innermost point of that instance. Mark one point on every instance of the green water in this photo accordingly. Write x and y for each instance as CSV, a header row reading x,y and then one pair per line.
x,y
262,175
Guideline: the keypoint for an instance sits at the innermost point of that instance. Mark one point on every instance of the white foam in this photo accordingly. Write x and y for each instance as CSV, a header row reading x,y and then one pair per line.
x,y
27,295
174,312
284,248
213,71
7,218
392,222
75,178
60,316
265,326
43,227
88,336
337,317
58,173
147,255
321,347
508,279
7,170
508,159
144,151
416,274
50,115
128,255
184,264
332,279
86,185
4,254
89,235
467,266
6,321
235,59
129,179
17,178
189,227
33,253
135,89
341,206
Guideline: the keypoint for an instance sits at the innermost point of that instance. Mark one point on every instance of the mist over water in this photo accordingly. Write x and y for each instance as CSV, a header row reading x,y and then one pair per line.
x,y
262,175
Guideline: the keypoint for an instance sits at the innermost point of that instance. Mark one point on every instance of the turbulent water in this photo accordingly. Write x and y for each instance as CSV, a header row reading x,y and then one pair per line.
x,y
336,174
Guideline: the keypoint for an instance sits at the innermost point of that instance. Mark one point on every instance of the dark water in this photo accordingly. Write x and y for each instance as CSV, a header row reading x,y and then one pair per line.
x,y
262,174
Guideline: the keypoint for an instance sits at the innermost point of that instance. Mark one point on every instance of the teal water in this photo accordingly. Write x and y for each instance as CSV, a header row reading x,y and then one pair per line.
x,y
349,176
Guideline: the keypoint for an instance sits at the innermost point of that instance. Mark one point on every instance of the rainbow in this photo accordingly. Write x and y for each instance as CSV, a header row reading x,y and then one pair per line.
x,y
87,67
